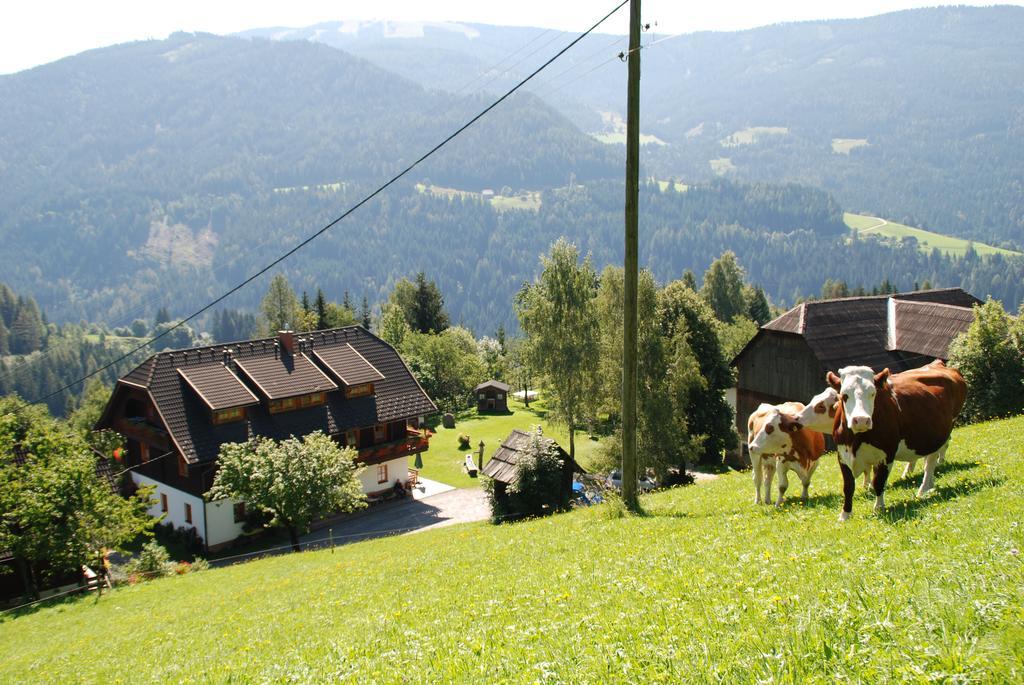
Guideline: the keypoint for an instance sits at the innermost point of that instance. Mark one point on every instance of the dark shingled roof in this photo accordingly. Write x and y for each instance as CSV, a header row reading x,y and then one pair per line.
x,y
396,396
285,375
218,387
498,385
348,365
898,331
927,328
502,466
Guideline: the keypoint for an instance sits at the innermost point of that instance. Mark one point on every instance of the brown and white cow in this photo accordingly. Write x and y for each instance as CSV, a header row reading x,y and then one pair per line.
x,y
771,447
885,417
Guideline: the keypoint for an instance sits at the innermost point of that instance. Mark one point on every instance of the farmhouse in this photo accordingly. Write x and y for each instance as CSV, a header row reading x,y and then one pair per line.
x,y
178,407
789,357
491,396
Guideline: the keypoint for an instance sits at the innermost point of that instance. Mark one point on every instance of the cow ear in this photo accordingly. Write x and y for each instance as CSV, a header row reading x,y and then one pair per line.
x,y
882,378
833,380
789,425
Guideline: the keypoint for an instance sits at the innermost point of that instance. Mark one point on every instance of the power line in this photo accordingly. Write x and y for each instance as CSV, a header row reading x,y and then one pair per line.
x,y
349,211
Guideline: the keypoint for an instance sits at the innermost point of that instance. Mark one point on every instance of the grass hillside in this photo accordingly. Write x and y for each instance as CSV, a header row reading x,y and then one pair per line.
x,y
705,588
926,240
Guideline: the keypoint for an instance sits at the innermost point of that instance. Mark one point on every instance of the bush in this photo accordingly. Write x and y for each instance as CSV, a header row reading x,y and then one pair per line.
x,y
185,539
463,441
990,355
153,562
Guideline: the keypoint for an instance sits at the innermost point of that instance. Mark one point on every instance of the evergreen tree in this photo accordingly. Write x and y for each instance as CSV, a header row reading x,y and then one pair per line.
x,y
320,307
429,314
162,316
690,280
26,334
365,315
305,302
4,347
8,305
758,309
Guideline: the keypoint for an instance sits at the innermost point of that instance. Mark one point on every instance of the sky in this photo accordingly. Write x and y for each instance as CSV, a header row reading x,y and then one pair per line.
x,y
34,32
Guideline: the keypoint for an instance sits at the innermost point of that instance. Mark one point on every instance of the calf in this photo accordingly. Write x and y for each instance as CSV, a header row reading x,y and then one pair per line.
x,y
792,449
884,417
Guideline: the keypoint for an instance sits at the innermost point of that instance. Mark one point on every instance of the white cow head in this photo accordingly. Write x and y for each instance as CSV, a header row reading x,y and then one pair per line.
x,y
857,387
818,415
764,432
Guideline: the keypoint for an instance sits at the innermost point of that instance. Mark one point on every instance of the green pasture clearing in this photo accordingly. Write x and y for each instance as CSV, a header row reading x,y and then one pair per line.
x,y
333,187
525,201
752,134
926,240
676,186
528,200
450,193
443,461
842,146
705,588
619,138
722,165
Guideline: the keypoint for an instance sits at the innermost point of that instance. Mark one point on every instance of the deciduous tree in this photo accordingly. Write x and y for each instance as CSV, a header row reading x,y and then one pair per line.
x,y
56,513
280,307
558,313
294,481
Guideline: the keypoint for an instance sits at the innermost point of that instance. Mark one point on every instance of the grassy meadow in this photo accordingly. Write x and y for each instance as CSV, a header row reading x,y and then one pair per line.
x,y
443,461
704,588
926,240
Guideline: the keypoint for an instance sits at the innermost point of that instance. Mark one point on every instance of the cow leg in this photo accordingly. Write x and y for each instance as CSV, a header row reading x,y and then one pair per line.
x,y
848,487
783,482
909,468
756,463
867,477
928,482
805,479
769,474
881,476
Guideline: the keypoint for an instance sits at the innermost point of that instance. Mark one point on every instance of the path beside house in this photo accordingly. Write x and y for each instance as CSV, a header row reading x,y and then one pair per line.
x,y
444,509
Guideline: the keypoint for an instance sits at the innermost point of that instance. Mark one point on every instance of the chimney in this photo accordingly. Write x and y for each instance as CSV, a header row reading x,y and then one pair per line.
x,y
287,341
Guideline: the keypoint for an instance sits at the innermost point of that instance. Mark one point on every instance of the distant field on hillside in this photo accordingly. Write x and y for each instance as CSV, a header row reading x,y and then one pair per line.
x,y
526,200
926,240
707,587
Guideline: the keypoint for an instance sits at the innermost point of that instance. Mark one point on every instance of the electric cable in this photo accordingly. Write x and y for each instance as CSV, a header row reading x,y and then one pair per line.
x,y
345,214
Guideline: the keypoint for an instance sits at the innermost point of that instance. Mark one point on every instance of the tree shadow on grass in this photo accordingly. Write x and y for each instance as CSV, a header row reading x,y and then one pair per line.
x,y
912,508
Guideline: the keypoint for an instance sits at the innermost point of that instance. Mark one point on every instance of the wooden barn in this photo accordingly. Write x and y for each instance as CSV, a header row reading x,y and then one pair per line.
x,y
492,396
788,358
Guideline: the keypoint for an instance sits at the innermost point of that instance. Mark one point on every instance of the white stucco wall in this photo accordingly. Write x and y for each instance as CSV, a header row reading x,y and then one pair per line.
x,y
220,522
398,469
176,500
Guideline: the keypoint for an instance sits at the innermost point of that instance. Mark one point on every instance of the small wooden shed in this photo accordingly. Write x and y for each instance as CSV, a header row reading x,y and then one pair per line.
x,y
492,396
502,467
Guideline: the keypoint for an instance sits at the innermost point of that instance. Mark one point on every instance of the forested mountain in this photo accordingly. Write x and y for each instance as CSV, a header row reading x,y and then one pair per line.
x,y
915,115
160,173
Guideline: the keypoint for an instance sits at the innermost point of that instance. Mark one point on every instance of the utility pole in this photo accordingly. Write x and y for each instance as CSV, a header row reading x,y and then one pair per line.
x,y
629,319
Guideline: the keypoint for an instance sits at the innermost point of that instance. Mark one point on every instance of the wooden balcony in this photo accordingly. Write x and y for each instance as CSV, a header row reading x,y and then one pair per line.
x,y
413,442
141,430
